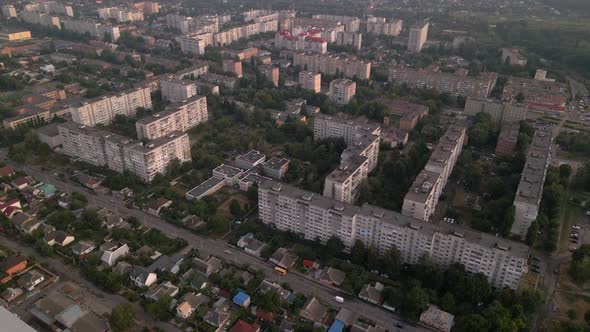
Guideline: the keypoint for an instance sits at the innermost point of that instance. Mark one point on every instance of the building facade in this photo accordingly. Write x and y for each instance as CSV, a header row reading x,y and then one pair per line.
x,y
331,64
342,90
417,37
175,90
309,80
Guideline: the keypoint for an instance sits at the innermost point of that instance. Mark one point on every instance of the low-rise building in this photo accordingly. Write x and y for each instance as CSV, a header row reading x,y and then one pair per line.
x,y
437,319
189,304
275,167
15,35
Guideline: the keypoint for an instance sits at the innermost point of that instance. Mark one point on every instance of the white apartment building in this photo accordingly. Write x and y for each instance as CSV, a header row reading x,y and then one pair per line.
x,y
51,7
178,118
175,90
45,20
340,125
120,14
417,37
102,110
530,188
193,71
421,200
8,11
195,44
310,81
342,184
502,112
93,28
351,23
318,217
105,149
342,90
380,26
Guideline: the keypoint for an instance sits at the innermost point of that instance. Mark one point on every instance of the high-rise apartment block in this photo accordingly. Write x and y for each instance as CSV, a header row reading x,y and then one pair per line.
x,y
178,117
271,72
351,23
500,111
357,160
175,90
120,14
457,83
232,66
45,20
105,149
342,90
50,7
417,37
93,28
310,81
380,26
421,200
147,7
8,11
530,189
193,71
102,110
318,217
195,44
306,41
331,64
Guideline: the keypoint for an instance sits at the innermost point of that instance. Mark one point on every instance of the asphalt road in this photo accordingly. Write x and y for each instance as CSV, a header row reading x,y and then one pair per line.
x,y
299,283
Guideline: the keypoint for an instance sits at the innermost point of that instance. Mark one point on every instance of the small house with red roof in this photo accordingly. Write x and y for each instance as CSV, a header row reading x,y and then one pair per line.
x,y
6,171
10,208
22,182
242,326
264,316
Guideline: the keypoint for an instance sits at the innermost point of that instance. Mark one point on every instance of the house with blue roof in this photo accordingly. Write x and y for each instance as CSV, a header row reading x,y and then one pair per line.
x,y
242,299
337,326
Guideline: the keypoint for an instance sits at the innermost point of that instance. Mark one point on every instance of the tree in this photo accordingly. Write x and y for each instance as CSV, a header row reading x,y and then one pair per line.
x,y
334,246
415,302
235,208
358,253
580,265
472,322
122,317
159,309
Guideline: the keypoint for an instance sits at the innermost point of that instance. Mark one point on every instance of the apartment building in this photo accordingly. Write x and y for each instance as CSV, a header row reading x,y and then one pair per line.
x,y
502,112
354,39
147,7
178,117
9,11
15,35
421,200
508,139
50,7
232,66
242,55
457,83
417,37
120,14
343,126
319,217
331,64
175,90
45,20
409,113
380,26
193,71
187,24
195,44
305,41
102,110
105,149
342,90
310,81
223,80
271,72
351,23
93,28
540,95
530,188
234,34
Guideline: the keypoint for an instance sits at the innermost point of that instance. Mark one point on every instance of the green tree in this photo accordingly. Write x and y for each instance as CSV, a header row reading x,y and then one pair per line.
x,y
235,208
358,253
122,317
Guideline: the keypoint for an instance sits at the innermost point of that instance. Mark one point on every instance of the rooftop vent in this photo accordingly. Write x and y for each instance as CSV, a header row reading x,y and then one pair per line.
x,y
415,226
458,234
339,207
501,247
277,187
307,197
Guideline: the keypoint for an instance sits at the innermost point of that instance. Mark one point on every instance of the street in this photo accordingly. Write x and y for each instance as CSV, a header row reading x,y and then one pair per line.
x,y
207,246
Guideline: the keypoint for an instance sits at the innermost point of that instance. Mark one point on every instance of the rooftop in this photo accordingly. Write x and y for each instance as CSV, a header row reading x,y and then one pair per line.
x,y
251,156
205,186
423,186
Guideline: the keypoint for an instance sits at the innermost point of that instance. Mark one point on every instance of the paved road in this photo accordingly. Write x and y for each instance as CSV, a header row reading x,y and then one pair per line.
x,y
217,247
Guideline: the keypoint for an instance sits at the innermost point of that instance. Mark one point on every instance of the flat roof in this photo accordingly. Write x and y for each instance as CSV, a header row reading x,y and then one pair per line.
x,y
227,170
276,163
205,186
423,186
171,109
11,322
347,168
252,156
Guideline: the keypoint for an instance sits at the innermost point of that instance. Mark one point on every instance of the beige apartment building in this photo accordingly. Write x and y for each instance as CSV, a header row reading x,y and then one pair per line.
x,y
45,20
9,11
342,90
102,110
500,111
104,149
15,35
319,217
417,37
175,90
310,81
233,66
271,72
330,64
178,117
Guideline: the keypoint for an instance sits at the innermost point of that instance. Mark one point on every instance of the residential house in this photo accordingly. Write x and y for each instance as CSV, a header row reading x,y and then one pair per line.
x,y
22,182
255,247
437,319
189,304
313,311
345,315
83,248
162,290
282,258
25,222
114,252
10,266
264,316
332,276
167,263
242,326
30,279
60,238
217,319
157,205
242,299
372,293
122,268
10,294
10,208
142,277
6,171
208,267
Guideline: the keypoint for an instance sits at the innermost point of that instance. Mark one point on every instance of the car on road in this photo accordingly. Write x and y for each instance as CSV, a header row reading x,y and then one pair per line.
x,y
576,227
338,299
227,251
